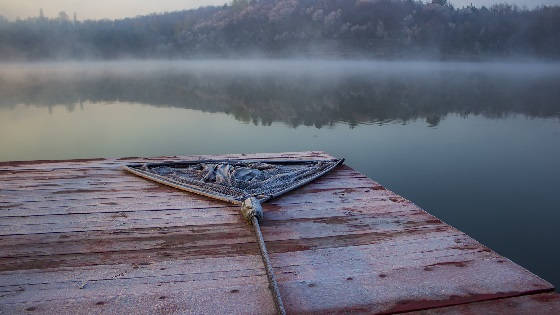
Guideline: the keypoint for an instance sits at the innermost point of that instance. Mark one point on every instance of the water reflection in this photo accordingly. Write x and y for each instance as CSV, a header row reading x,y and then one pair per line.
x,y
312,94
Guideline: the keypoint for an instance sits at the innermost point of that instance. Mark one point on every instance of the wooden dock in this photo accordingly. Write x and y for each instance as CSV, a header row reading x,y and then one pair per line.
x,y
84,236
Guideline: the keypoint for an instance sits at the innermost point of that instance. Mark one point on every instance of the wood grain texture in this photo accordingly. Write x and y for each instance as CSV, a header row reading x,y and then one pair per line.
x,y
85,236
542,304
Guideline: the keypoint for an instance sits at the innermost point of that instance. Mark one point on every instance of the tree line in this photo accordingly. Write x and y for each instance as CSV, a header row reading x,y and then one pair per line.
x,y
280,28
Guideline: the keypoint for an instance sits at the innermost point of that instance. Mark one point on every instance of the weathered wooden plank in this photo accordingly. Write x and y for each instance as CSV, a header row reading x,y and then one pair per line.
x,y
227,298
77,183
160,252
387,251
13,166
340,244
278,227
292,266
542,304
132,220
83,189
322,199
116,201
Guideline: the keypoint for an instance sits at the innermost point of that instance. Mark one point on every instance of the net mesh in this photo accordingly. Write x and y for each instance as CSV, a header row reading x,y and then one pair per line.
x,y
239,180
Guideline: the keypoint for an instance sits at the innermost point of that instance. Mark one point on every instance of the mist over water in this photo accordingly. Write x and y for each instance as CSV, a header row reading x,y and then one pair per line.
x,y
476,144
295,92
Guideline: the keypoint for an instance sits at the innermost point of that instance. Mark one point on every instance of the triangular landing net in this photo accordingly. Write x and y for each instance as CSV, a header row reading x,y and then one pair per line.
x,y
244,182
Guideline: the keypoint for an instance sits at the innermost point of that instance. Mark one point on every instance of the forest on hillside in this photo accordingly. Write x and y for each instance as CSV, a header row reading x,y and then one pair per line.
x,y
285,28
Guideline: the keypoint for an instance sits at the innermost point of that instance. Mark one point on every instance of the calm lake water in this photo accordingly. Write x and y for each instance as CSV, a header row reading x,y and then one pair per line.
x,y
476,144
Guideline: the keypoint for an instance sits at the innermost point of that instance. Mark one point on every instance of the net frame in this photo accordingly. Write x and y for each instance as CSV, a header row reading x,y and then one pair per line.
x,y
140,170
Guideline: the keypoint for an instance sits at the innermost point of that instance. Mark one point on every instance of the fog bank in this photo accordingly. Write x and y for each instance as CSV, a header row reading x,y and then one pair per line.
x,y
295,92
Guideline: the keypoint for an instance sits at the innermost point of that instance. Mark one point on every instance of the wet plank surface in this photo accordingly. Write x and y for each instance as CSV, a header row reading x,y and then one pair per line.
x,y
85,236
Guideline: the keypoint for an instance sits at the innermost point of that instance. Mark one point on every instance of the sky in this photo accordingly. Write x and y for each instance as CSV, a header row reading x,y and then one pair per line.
x,y
98,9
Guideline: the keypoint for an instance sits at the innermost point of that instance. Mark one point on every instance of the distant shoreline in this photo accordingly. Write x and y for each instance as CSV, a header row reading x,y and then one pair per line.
x,y
384,29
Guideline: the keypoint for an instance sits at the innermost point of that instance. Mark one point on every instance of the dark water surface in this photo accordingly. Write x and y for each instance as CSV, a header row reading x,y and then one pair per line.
x,y
476,144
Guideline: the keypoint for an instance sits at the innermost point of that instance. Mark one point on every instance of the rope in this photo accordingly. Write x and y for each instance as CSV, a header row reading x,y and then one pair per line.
x,y
273,285
271,187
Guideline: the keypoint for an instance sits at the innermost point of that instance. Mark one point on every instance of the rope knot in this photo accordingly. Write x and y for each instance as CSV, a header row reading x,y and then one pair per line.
x,y
251,207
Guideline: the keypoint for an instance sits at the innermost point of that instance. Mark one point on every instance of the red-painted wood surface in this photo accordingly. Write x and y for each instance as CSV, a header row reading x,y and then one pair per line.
x,y
542,304
86,236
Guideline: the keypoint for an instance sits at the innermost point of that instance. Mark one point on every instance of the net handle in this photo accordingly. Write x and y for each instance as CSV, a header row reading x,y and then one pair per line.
x,y
272,283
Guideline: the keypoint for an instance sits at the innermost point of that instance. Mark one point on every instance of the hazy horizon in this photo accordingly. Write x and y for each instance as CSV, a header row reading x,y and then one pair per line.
x,y
104,9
